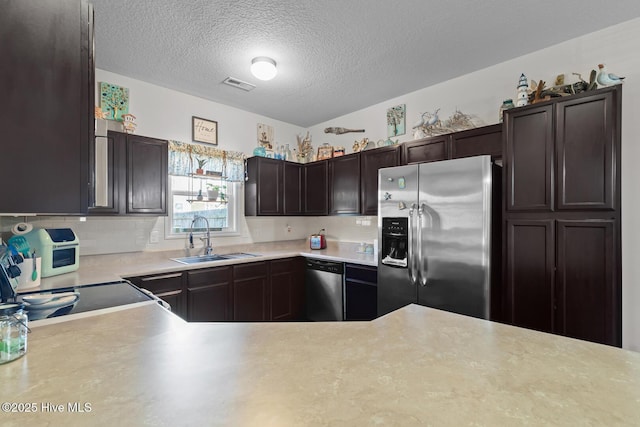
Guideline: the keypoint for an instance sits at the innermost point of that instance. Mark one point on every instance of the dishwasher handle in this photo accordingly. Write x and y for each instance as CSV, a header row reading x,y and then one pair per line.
x,y
328,266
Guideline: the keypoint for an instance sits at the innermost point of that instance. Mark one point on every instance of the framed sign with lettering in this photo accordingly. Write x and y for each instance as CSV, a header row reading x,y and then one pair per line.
x,y
203,130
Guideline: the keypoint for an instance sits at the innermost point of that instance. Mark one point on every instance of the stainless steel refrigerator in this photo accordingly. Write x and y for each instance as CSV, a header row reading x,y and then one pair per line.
x,y
434,236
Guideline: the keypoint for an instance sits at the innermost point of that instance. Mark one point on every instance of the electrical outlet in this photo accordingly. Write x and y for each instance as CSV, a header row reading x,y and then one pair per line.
x,y
288,228
154,237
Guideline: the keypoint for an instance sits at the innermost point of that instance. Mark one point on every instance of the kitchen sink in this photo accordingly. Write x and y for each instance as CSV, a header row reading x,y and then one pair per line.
x,y
212,258
238,255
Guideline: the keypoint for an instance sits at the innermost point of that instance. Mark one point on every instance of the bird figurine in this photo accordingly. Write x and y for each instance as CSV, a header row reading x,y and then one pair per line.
x,y
432,121
420,122
605,78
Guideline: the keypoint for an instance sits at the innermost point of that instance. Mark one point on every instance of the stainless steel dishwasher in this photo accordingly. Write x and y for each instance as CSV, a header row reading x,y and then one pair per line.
x,y
324,290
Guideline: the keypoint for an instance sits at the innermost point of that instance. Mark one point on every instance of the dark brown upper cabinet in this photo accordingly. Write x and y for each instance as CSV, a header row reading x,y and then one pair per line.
x,y
477,142
370,162
529,158
315,191
585,136
344,185
430,149
293,188
48,98
485,140
264,188
137,183
562,154
348,185
147,173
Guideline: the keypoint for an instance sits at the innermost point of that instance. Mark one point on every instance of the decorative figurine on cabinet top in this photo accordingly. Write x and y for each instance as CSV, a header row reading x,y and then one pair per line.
x,y
606,78
523,96
129,123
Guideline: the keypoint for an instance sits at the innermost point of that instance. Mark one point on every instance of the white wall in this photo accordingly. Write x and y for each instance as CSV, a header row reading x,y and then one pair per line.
x,y
165,113
482,92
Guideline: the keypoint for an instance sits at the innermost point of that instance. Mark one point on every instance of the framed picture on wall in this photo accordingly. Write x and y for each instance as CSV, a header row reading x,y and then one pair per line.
x,y
396,120
325,151
203,130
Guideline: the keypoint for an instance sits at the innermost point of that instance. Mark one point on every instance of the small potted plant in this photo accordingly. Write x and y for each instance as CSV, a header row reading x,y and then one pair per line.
x,y
201,163
212,191
223,195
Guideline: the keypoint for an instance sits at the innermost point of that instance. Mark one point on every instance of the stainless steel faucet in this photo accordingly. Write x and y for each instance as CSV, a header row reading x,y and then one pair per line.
x,y
207,249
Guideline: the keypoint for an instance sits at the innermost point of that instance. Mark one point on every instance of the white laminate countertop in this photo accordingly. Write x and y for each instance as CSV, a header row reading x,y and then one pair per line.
x,y
113,267
415,366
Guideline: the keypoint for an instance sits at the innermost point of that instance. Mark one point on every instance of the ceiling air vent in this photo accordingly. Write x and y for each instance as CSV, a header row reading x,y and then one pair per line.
x,y
239,84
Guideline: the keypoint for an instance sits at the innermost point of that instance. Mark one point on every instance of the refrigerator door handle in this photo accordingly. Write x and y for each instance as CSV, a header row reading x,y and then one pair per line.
x,y
422,258
411,253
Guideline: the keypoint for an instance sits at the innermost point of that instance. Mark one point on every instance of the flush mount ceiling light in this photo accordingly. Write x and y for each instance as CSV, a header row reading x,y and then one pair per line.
x,y
263,68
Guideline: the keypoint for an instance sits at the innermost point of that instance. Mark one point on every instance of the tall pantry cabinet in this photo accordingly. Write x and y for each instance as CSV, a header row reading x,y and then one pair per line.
x,y
562,249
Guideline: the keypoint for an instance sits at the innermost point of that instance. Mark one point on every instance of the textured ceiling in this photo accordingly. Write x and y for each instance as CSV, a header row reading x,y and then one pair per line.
x,y
334,56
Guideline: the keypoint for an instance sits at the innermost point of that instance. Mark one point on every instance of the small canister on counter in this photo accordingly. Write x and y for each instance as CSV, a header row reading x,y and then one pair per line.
x,y
318,241
13,332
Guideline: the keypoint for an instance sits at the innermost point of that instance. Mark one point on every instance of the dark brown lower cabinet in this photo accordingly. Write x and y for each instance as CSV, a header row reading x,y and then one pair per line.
x,y
530,267
250,291
287,289
587,292
255,291
561,277
209,294
168,287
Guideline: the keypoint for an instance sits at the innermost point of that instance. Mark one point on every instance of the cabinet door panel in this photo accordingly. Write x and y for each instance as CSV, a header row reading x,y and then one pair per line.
x,y
209,303
530,263
293,176
344,185
270,189
477,142
529,154
588,286
370,162
250,292
209,294
585,144
147,175
287,289
47,112
316,188
426,150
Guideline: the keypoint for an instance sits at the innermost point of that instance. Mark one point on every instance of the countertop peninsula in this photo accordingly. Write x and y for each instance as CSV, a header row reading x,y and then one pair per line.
x,y
415,366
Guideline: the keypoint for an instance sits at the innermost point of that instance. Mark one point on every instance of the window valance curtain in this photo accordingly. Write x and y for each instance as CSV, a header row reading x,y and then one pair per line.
x,y
183,160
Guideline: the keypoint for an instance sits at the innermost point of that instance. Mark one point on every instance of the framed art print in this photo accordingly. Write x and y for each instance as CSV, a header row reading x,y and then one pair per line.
x,y
396,120
203,130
